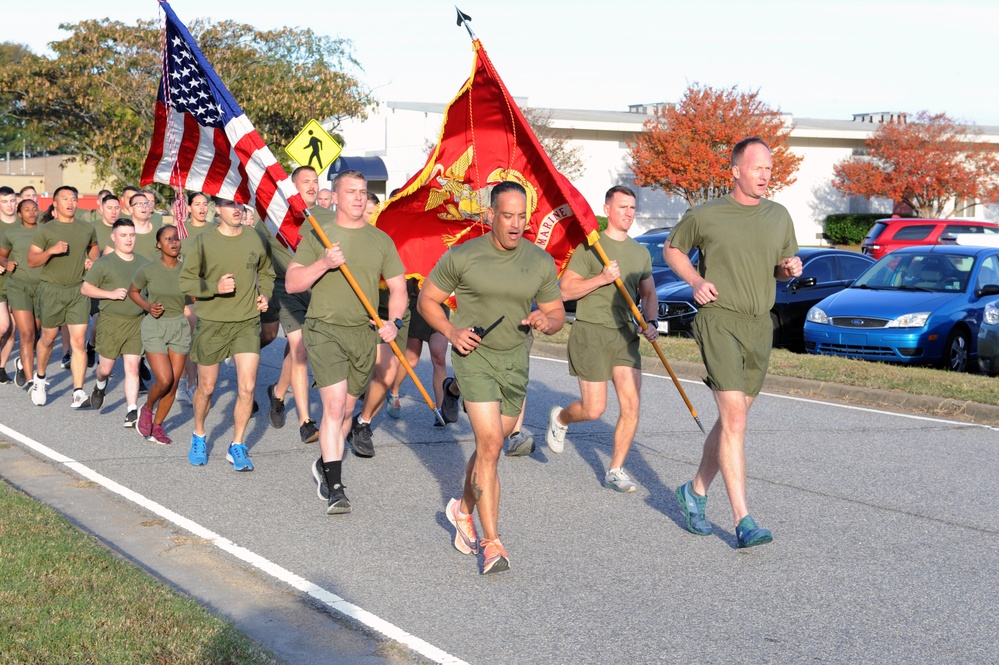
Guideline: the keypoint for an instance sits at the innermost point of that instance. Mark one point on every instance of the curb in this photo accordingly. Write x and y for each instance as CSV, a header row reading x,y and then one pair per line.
x,y
983,414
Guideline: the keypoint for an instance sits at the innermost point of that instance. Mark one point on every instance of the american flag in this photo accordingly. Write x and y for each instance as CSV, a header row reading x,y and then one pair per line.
x,y
202,140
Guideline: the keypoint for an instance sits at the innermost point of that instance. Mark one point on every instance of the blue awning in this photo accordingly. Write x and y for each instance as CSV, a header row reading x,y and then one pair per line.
x,y
372,168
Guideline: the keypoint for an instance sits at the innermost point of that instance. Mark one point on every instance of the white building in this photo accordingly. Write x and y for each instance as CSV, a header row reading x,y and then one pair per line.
x,y
400,135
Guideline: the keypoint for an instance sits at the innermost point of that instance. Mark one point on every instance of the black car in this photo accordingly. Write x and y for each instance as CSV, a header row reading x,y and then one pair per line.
x,y
823,273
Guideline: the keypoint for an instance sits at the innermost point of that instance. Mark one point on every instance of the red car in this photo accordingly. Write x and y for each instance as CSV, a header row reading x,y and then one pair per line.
x,y
889,234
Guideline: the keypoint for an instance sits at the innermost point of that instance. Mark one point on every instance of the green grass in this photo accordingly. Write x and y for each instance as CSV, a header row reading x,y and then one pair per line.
x,y
64,598
912,380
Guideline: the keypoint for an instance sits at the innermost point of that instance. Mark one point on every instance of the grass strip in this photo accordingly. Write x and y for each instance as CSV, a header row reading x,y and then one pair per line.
x,y
65,598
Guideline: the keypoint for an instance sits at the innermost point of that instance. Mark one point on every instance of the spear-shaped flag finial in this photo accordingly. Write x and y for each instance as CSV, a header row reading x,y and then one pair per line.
x,y
465,19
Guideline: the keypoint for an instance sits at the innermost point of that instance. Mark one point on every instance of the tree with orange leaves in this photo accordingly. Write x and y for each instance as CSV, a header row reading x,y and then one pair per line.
x,y
931,163
685,149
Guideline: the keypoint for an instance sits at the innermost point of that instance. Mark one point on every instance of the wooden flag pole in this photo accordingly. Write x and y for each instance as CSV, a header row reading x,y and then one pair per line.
x,y
374,316
644,325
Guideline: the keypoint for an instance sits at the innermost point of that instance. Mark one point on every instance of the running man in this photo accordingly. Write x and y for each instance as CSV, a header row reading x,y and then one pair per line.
x,y
604,340
745,242
338,333
119,324
495,278
64,248
22,287
228,273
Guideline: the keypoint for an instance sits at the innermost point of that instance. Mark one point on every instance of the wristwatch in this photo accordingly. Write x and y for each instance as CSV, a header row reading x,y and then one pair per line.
x,y
398,323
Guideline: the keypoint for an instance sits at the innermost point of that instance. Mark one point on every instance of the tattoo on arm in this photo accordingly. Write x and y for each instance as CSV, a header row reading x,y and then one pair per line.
x,y
476,490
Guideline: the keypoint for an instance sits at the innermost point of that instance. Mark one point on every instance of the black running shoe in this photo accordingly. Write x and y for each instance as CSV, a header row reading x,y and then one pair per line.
x,y
338,503
360,438
131,417
277,408
97,398
449,409
4,377
143,390
143,370
309,431
322,489
91,356
66,360
20,379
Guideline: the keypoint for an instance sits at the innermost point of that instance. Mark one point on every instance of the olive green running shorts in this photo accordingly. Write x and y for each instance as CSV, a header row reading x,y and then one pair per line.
x,y
594,351
341,353
485,375
62,305
23,298
118,336
214,341
735,349
166,334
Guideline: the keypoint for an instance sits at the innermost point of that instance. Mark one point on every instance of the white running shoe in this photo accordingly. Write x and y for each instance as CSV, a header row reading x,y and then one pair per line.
x,y
39,394
555,436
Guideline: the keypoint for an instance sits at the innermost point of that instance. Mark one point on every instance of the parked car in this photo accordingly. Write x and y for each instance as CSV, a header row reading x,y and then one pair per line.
x,y
890,234
823,272
917,305
988,340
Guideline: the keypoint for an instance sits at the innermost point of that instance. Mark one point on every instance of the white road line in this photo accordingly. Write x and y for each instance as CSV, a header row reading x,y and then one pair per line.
x,y
329,599
810,400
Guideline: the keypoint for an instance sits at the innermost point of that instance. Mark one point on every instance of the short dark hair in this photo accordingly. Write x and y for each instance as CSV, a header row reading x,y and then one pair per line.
x,y
741,146
348,174
122,221
23,202
65,187
294,174
131,199
618,189
128,188
26,188
503,187
6,191
193,195
373,198
103,194
110,197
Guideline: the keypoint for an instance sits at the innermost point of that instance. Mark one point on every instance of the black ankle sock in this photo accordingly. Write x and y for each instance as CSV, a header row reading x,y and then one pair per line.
x,y
332,472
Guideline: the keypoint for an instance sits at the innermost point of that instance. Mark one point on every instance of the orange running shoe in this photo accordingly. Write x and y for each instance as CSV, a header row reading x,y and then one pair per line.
x,y
464,537
496,558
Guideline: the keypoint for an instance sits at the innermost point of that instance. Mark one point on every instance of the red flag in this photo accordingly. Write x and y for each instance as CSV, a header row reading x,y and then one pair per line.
x,y
484,140
203,141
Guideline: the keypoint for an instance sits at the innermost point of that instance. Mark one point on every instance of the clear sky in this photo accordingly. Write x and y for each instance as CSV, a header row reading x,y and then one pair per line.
x,y
812,59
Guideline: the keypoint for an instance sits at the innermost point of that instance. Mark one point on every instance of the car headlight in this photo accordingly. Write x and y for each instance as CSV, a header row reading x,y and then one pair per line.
x,y
915,320
991,314
816,315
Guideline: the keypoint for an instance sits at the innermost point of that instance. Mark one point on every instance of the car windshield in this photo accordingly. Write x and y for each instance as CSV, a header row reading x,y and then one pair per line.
x,y
930,271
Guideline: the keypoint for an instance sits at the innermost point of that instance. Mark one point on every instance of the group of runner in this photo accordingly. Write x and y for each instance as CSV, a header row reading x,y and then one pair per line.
x,y
220,293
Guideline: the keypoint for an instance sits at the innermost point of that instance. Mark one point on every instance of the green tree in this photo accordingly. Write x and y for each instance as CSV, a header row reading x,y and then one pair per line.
x,y
96,97
565,156
14,134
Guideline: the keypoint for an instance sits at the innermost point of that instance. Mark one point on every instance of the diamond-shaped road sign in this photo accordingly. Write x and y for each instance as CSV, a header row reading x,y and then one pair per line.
x,y
314,147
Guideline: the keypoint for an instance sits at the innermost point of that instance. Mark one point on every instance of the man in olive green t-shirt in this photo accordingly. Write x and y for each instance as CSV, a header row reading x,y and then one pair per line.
x,y
119,324
64,248
495,279
228,272
338,331
745,242
603,343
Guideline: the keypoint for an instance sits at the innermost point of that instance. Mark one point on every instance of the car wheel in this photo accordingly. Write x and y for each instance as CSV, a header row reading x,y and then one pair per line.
x,y
955,356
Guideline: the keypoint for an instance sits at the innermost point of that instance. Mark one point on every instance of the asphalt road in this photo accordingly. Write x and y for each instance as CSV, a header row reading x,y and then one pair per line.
x,y
885,543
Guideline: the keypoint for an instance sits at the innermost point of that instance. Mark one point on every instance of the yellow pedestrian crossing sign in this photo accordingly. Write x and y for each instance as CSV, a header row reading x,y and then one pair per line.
x,y
314,147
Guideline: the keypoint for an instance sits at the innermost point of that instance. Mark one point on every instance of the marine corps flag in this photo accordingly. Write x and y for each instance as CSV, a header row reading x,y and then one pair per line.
x,y
484,140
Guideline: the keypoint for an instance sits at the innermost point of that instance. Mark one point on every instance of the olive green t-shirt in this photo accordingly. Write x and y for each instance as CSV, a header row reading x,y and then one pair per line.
x,y
605,306
281,256
3,277
65,269
103,235
490,282
162,285
213,255
112,272
145,244
192,233
17,241
740,247
369,254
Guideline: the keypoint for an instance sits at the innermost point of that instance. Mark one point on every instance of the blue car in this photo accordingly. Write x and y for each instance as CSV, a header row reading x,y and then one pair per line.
x,y
824,271
917,305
